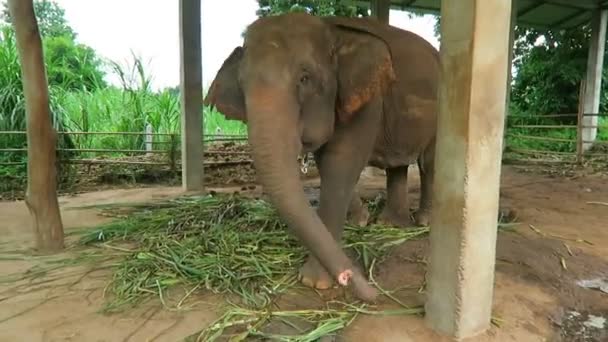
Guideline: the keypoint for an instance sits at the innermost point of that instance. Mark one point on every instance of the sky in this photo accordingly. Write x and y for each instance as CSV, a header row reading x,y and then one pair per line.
x,y
150,29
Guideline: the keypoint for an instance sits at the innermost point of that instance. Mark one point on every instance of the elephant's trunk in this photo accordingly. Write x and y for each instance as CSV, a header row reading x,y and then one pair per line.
x,y
275,142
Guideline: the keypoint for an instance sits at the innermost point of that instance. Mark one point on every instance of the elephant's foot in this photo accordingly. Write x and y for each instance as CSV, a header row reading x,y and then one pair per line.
x,y
395,218
313,274
358,216
422,217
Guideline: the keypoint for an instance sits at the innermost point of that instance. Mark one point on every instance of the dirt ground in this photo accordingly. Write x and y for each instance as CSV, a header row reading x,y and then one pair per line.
x,y
562,237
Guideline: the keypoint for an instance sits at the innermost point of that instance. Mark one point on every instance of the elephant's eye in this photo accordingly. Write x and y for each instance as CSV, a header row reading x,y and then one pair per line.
x,y
304,79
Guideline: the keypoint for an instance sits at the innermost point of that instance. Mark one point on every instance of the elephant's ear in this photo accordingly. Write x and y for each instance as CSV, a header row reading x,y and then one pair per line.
x,y
365,69
225,93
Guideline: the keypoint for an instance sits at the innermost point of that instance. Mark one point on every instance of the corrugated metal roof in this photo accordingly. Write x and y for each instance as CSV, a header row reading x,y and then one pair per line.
x,y
532,13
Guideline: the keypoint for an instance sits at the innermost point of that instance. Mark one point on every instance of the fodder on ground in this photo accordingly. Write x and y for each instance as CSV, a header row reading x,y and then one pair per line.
x,y
230,245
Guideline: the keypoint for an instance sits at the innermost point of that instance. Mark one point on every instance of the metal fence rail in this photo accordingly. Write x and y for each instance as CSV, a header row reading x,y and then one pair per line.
x,y
575,151
172,151
170,147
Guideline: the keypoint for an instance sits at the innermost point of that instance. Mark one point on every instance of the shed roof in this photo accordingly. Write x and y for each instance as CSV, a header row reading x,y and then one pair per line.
x,y
532,13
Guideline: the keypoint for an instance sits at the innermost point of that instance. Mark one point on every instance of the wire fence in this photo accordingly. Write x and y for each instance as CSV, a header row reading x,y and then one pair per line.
x,y
169,146
558,147
557,138
546,148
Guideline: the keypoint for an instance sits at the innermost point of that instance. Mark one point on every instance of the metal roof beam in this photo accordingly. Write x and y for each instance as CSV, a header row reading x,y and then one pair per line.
x,y
529,8
578,4
568,18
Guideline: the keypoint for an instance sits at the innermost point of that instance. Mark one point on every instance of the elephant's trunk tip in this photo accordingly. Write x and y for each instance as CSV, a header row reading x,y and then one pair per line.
x,y
344,277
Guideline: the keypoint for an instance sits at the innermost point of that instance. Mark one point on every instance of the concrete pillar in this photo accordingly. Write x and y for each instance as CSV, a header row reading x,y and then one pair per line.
x,y
191,87
472,95
510,66
595,65
381,10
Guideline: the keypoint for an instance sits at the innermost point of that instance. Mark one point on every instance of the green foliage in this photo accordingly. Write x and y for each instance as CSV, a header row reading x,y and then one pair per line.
x,y
12,104
131,108
71,65
549,73
342,8
51,19
314,7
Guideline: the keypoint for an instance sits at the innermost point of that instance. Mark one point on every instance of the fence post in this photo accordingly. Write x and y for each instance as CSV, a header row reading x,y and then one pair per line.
x,y
149,138
172,152
579,123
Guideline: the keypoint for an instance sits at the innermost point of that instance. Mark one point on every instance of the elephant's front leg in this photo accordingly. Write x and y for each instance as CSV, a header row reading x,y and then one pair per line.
x,y
340,163
339,172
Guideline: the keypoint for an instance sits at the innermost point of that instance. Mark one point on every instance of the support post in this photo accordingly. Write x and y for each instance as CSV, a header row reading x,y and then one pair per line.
x,y
595,66
509,68
381,10
41,196
191,71
579,124
472,95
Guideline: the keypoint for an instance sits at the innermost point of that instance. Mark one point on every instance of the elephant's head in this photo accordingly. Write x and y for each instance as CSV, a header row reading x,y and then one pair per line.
x,y
294,79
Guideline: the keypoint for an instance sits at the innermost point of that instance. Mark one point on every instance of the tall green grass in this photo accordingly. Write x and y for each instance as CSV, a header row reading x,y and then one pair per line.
x,y
12,106
129,107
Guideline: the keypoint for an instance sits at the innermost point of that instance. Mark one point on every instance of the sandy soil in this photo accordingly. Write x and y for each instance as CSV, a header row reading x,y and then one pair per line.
x,y
535,280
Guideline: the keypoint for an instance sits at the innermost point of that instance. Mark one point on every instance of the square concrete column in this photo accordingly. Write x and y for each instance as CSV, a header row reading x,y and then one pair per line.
x,y
510,66
191,89
474,56
595,67
381,10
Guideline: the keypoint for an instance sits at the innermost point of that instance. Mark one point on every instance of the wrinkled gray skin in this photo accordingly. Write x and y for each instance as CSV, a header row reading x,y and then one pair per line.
x,y
355,92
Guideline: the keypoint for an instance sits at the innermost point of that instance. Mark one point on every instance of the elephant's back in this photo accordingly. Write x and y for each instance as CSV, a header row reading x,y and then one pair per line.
x,y
415,61
410,106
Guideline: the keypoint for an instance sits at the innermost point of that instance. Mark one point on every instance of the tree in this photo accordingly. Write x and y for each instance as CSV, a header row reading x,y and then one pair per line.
x,y
73,66
550,65
314,7
41,197
51,19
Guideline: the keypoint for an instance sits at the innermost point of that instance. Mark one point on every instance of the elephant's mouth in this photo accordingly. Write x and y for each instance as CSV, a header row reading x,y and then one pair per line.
x,y
308,146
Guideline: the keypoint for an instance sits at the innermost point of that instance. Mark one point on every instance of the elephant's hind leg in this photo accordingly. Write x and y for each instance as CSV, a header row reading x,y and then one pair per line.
x,y
358,214
426,164
396,212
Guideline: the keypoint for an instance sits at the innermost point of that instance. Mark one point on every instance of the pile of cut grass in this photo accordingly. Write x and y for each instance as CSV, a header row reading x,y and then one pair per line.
x,y
227,244
235,246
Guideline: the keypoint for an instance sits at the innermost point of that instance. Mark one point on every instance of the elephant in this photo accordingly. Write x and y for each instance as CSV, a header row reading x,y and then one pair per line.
x,y
351,91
